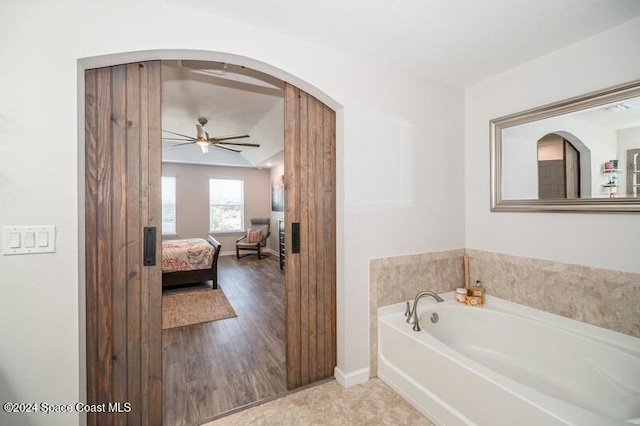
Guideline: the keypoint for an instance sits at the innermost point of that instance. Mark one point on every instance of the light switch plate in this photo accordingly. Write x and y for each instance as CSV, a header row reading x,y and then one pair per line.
x,y
40,239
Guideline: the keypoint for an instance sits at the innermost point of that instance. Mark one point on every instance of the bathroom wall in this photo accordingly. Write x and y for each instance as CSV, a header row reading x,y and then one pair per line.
x,y
606,241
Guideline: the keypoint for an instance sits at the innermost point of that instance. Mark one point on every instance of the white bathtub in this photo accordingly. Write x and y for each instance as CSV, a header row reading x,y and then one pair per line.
x,y
506,364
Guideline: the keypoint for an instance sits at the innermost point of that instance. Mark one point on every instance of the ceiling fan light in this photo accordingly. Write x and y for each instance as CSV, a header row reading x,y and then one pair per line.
x,y
204,147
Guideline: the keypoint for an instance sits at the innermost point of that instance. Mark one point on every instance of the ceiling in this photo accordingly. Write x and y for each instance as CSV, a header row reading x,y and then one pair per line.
x,y
234,100
459,42
614,116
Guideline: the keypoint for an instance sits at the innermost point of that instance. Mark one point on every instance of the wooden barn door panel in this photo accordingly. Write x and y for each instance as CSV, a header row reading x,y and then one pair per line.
x,y
122,172
310,275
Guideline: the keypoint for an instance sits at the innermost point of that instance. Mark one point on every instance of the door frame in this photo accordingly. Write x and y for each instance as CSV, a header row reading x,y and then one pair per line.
x,y
185,54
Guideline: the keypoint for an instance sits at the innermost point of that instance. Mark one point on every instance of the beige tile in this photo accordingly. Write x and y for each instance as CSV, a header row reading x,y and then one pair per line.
x,y
611,301
251,416
371,403
601,297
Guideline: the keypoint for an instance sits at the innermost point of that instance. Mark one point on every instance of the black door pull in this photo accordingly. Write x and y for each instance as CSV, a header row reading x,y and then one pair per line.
x,y
149,237
295,237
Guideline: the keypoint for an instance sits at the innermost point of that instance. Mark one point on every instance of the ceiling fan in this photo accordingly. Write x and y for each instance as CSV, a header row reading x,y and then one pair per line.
x,y
204,141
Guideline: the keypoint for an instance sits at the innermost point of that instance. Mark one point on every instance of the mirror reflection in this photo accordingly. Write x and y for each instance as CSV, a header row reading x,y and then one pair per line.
x,y
589,153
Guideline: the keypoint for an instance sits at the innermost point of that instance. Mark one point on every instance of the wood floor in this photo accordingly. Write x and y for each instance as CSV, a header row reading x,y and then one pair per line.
x,y
213,367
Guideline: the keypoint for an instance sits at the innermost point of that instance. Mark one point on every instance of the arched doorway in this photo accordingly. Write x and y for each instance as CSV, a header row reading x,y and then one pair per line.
x,y
559,168
122,277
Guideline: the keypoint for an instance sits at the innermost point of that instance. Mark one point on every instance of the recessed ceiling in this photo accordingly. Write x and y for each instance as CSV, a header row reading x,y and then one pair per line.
x,y
233,99
460,42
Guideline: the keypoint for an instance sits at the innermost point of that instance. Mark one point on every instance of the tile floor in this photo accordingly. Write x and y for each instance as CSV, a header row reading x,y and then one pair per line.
x,y
371,403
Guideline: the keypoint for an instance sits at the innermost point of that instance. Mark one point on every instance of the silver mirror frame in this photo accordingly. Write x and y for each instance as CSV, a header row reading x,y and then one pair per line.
x,y
578,205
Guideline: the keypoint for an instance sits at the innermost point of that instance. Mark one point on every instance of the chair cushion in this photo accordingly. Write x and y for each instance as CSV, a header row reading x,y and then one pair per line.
x,y
253,235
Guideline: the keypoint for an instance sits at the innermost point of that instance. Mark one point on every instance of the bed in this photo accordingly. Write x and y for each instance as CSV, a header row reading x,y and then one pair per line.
x,y
190,261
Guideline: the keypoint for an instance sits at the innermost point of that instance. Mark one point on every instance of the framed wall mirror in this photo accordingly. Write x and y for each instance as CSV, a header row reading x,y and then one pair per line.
x,y
577,155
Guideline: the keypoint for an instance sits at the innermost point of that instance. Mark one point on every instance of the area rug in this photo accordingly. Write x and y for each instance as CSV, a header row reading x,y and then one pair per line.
x,y
192,306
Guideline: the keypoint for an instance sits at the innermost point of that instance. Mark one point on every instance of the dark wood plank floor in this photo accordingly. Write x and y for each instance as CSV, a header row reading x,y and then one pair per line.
x,y
213,367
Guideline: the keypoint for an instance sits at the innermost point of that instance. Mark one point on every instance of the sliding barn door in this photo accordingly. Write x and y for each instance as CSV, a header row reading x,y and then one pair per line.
x,y
122,172
310,269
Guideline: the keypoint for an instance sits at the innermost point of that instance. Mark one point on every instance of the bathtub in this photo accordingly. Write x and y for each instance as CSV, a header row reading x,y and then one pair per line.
x,y
507,364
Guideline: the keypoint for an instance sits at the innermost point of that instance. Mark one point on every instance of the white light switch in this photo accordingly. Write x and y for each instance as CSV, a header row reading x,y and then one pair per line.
x,y
28,239
43,239
14,240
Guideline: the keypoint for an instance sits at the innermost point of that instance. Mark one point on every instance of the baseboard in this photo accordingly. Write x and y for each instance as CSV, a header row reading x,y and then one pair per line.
x,y
351,379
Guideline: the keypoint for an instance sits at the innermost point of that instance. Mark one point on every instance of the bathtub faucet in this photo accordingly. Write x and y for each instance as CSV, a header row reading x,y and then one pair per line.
x,y
412,314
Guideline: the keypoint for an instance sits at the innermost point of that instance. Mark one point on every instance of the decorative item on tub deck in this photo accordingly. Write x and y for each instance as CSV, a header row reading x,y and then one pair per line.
x,y
465,261
476,294
461,294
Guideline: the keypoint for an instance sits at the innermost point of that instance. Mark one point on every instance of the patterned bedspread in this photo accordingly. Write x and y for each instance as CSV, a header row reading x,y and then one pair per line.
x,y
186,255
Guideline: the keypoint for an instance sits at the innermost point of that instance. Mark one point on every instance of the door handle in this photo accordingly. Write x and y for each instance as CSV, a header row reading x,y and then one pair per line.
x,y
295,237
149,242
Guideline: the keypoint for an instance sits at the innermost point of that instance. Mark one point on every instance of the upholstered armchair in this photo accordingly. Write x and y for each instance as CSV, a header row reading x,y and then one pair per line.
x,y
256,237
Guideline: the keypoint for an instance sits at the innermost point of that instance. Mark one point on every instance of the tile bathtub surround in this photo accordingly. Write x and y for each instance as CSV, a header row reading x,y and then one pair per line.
x,y
601,297
400,278
370,403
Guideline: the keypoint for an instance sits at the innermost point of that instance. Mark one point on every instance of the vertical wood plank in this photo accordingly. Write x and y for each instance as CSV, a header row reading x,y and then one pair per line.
x,y
134,246
310,218
144,215
154,307
118,237
292,263
305,286
104,278
91,242
320,223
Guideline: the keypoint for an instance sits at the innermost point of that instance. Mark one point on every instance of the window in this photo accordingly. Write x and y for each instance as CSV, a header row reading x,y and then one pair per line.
x,y
226,205
168,205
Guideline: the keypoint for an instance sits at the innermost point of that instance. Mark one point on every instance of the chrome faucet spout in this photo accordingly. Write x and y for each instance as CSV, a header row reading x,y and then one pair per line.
x,y
413,315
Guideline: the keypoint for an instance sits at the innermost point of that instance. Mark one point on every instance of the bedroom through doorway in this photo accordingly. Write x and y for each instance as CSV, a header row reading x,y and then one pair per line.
x,y
222,170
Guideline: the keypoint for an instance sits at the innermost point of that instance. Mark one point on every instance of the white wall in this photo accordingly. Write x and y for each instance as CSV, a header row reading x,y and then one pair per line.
x,y
607,59
399,168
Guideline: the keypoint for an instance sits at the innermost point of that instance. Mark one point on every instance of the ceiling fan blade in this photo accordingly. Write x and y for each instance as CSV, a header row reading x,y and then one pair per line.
x,y
226,147
176,139
180,134
228,138
256,145
180,144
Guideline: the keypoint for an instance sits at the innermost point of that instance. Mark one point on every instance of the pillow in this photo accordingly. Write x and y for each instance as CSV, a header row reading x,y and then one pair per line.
x,y
253,236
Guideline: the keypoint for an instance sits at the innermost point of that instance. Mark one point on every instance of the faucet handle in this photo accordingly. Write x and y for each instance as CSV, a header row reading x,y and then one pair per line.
x,y
409,314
